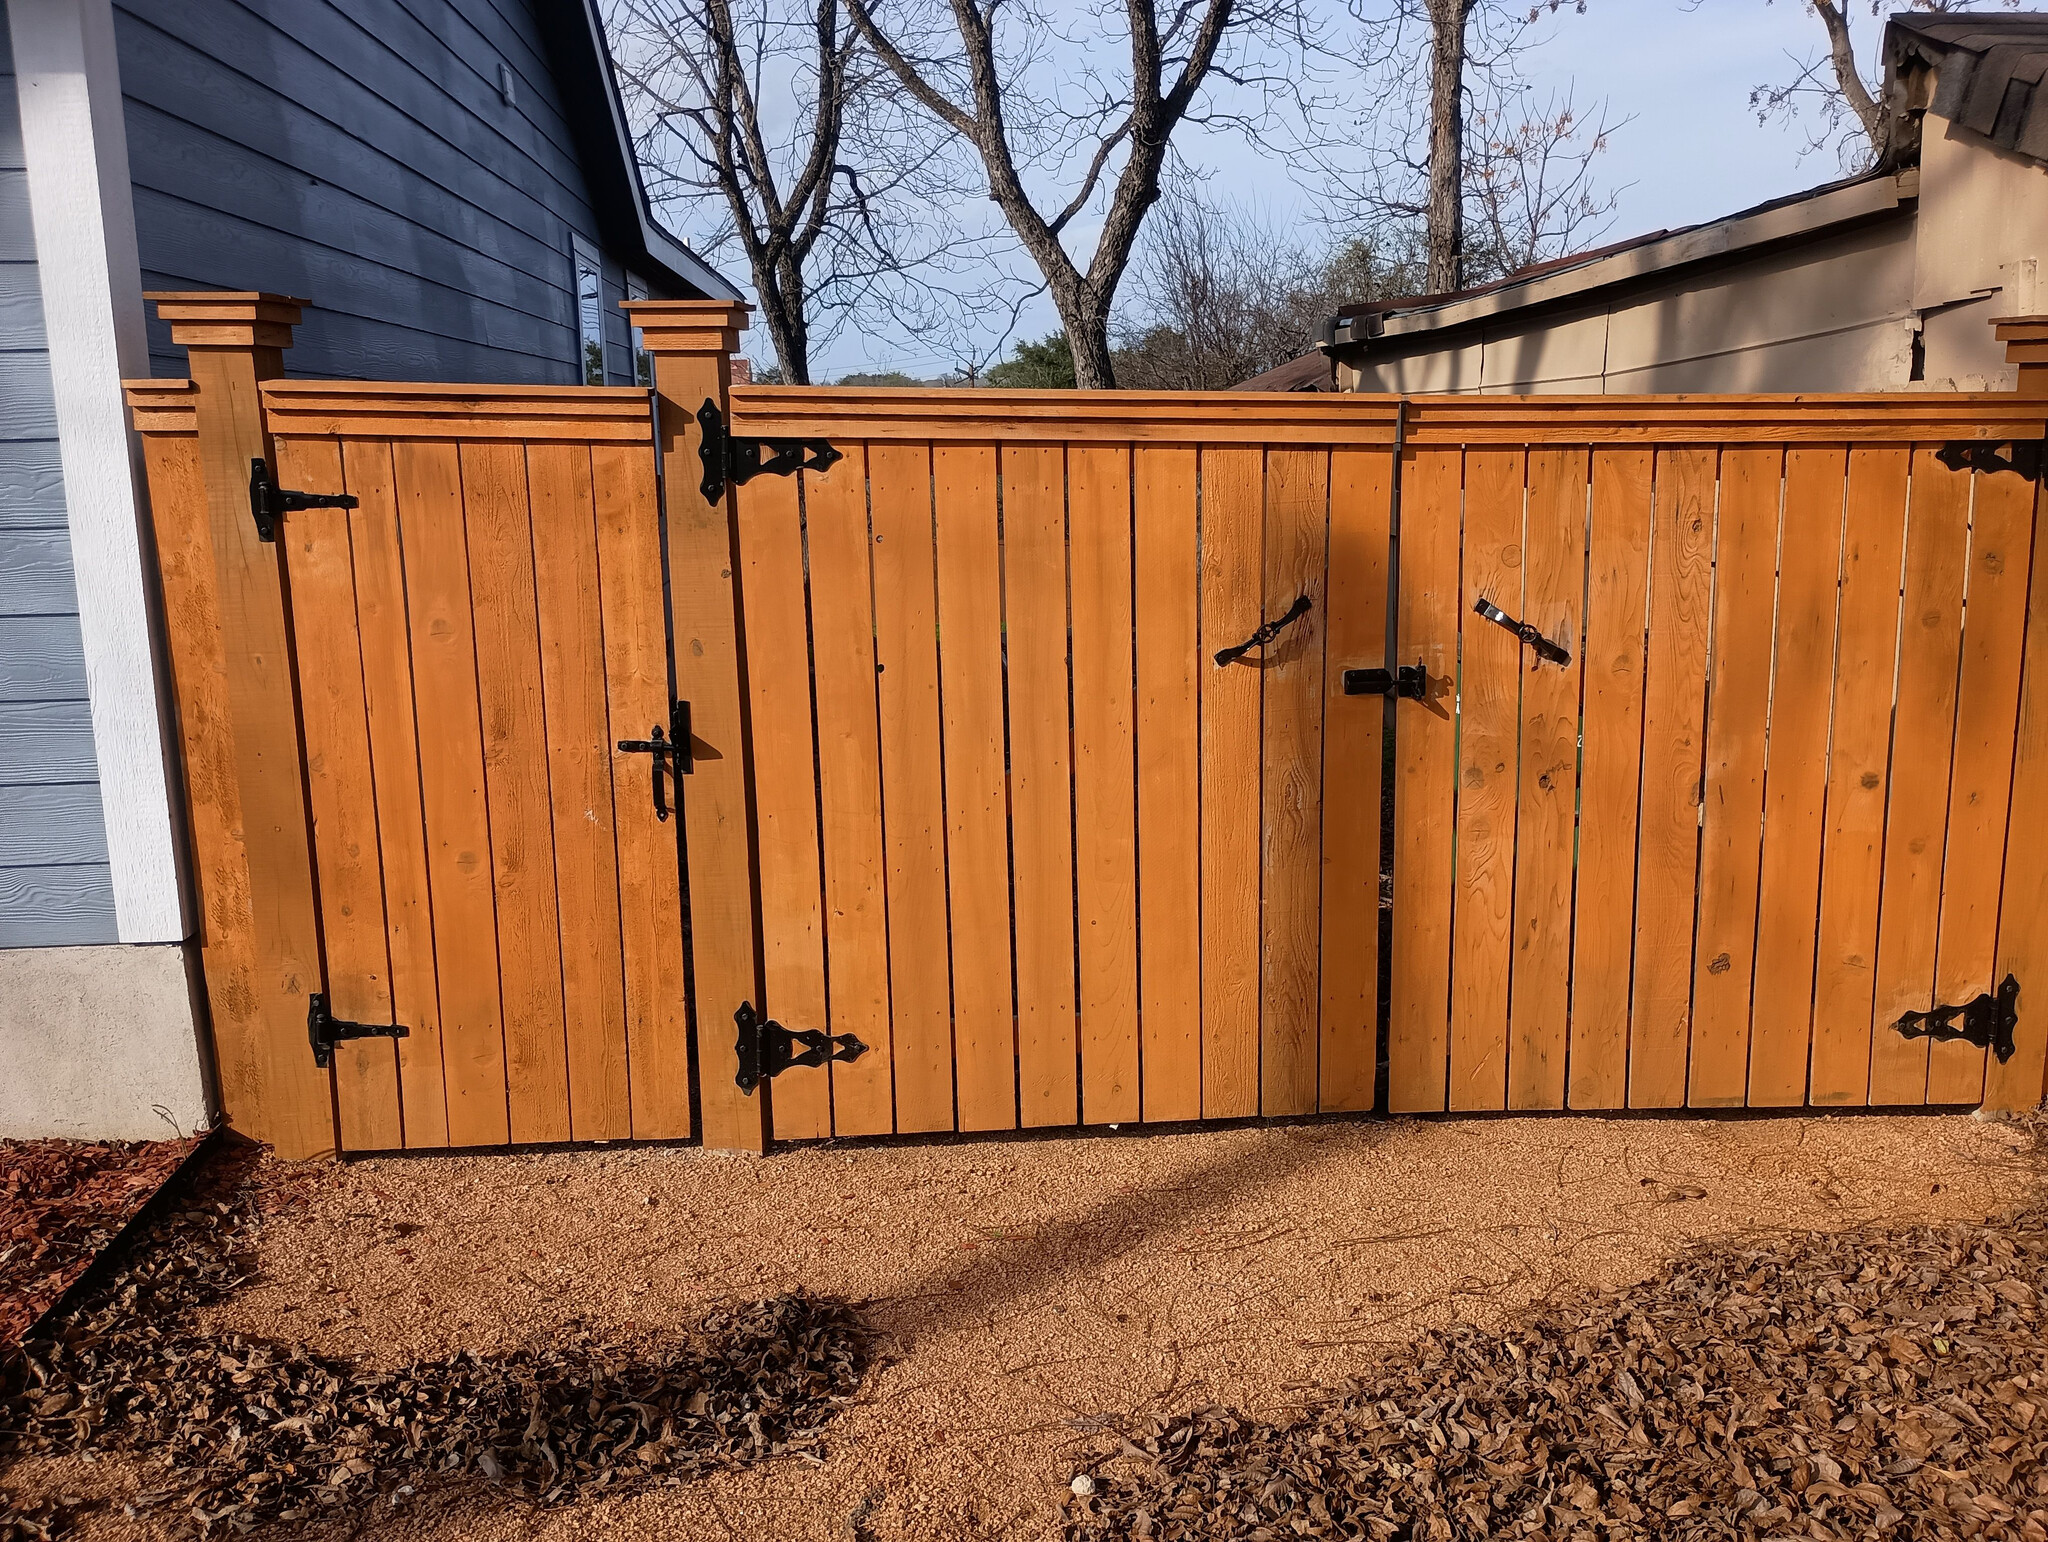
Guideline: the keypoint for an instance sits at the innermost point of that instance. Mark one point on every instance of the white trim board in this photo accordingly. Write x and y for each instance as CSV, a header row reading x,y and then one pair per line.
x,y
83,213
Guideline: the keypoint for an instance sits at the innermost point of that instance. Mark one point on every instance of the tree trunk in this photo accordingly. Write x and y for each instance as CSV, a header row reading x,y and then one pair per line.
x,y
1086,320
1446,233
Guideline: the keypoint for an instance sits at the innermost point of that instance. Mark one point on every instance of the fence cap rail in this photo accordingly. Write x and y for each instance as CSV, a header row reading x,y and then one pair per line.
x,y
354,409
1264,417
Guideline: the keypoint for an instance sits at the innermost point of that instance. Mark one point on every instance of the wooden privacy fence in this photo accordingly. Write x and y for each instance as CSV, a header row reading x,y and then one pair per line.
x,y
1093,757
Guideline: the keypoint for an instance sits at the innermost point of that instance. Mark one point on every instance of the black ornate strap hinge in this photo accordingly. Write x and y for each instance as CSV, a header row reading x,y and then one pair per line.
x,y
1542,646
670,752
325,1030
1267,631
1986,1022
730,459
269,503
767,1049
2022,456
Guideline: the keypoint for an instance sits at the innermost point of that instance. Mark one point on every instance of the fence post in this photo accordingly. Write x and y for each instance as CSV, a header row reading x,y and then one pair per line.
x,y
232,659
692,343
2026,346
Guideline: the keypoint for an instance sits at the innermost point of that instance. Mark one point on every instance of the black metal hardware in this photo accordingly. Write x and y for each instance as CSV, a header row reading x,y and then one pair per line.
x,y
731,458
269,503
1987,1022
671,752
766,1048
1544,647
2023,456
1410,680
1267,632
325,1030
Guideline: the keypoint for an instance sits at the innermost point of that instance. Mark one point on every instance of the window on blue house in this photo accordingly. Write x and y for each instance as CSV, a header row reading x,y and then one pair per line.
x,y
590,310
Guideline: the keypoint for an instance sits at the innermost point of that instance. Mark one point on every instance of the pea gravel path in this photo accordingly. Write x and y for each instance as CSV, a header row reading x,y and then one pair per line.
x,y
1028,1288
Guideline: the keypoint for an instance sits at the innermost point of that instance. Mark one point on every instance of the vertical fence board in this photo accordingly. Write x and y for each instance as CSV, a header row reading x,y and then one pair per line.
x,y
1233,569
977,810
1739,685
452,789
1426,775
2023,904
1680,616
1354,734
1923,735
1547,788
1980,784
778,684
341,789
580,786
913,805
1603,936
1489,712
850,790
1041,787
650,880
507,622
1795,786
1164,555
1859,770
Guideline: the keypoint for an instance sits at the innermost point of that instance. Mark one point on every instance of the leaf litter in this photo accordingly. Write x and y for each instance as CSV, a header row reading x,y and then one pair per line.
x,y
1880,1383
244,1431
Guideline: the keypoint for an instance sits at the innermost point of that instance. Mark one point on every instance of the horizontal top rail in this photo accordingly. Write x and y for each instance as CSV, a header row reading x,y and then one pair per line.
x,y
355,409
1260,417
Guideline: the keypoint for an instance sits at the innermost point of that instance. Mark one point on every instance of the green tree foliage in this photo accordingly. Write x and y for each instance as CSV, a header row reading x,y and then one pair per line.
x,y
1047,364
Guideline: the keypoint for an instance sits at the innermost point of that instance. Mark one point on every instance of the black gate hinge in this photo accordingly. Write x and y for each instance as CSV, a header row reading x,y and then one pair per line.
x,y
671,752
731,458
326,1030
766,1048
269,503
1986,1022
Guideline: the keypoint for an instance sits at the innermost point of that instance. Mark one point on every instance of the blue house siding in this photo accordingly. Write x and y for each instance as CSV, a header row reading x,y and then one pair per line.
x,y
361,155
55,885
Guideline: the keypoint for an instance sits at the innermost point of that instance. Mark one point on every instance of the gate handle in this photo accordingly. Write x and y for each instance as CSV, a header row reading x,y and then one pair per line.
x,y
1267,632
1526,630
661,748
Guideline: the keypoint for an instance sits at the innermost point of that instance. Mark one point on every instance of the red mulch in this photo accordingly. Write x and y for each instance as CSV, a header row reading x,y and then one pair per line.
x,y
61,1203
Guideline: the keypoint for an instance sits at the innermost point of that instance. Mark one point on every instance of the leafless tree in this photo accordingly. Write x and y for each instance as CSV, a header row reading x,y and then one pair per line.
x,y
1531,184
1829,93
1073,131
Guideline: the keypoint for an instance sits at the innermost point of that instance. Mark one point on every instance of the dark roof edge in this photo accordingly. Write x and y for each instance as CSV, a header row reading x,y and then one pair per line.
x,y
597,117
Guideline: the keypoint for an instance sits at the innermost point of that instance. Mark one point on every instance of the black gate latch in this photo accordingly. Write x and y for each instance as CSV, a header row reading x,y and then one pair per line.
x,y
737,460
671,752
766,1048
326,1030
1987,1022
1410,681
269,503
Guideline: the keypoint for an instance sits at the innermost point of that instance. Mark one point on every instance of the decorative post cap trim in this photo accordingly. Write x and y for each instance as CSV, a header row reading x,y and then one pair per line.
x,y
688,326
228,318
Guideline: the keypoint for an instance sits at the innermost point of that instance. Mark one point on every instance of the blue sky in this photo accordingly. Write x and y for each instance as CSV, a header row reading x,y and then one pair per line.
x,y
1681,69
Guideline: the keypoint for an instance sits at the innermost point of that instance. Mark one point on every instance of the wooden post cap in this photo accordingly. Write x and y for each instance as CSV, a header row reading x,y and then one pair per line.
x,y
228,318
688,326
2026,348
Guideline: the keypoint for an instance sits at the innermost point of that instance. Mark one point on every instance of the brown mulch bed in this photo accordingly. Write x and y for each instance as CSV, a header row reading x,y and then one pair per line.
x,y
61,1203
1865,1384
236,1432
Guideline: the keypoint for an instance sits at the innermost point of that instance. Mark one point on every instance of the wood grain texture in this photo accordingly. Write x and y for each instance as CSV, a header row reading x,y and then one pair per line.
x,y
1674,704
1610,777
1489,760
977,804
1165,562
1297,561
340,785
1795,789
1232,592
1041,786
1731,827
1980,780
498,513
1923,736
1354,732
850,791
913,797
580,789
1547,789
394,731
1105,779
778,675
1859,773
1425,783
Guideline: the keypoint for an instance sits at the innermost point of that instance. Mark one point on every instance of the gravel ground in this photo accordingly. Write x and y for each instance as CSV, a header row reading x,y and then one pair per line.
x,y
1034,1291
